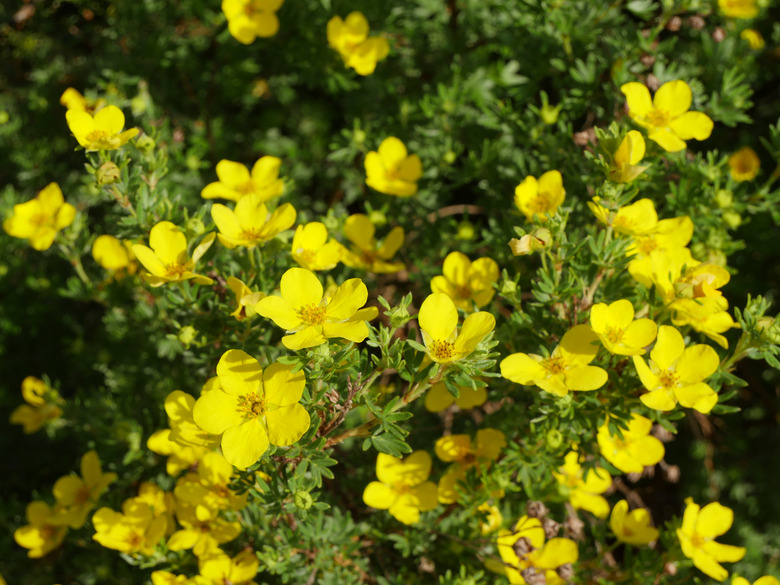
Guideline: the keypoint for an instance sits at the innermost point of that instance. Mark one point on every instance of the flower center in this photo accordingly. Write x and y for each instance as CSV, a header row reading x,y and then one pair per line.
x,y
313,314
614,334
41,220
646,245
442,350
658,118
542,204
174,270
251,235
82,495
554,365
306,255
101,139
249,186
135,540
463,291
668,379
251,405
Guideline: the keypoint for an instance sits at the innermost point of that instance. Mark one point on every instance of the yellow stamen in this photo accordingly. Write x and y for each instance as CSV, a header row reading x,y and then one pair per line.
x,y
313,314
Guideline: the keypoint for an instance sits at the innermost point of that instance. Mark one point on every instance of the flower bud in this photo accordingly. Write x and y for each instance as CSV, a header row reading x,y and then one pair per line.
x,y
145,143
303,500
769,329
107,174
724,198
466,231
732,219
554,439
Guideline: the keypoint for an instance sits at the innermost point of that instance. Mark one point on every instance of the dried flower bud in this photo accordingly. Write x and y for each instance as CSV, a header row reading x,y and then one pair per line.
x,y
522,547
674,24
551,527
652,82
696,22
565,572
533,576
574,528
536,509
719,35
670,569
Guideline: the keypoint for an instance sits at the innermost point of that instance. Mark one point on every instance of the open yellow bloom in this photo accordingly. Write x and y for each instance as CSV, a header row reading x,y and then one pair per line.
x,y
540,198
202,530
619,333
167,259
438,398
676,373
235,180
309,317
635,450
218,568
43,533
584,492
252,407
114,254
249,19
707,315
311,248
391,170
103,131
210,485
39,219
42,405
403,488
634,527
625,165
366,253
700,527
463,454
768,580
250,223
666,116
754,38
350,38
466,282
137,529
739,8
77,496
438,319
744,164
566,369
245,299
638,219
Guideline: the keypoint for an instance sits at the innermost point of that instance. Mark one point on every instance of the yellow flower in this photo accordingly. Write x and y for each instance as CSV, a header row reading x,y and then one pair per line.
x,y
636,449
584,492
540,198
310,318
739,8
666,116
311,248
391,170
218,568
210,485
72,99
637,219
161,502
463,454
103,131
619,333
744,164
625,163
754,39
438,319
114,254
543,556
490,520
43,533
137,529
366,253
168,578
252,407
39,219
402,489
566,369
41,408
676,373
76,496
180,457
350,38
439,398
202,529
250,223
466,282
634,527
235,180
700,527
538,239
249,19
245,299
707,315
768,580
167,259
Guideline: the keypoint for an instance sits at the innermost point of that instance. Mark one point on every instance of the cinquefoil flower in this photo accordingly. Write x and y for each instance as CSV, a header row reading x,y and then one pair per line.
x,y
77,496
42,405
43,533
250,223
167,259
635,450
391,170
619,333
403,488
39,219
249,19
744,164
235,180
350,38
367,253
584,492
438,319
634,527
103,131
540,198
467,283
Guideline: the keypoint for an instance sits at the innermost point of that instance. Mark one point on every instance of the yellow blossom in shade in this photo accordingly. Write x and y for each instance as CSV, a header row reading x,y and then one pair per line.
x,y
161,502
676,373
179,407
311,318
218,568
636,449
637,219
707,315
114,254
666,116
634,527
245,299
249,19
438,398
235,180
367,253
391,170
667,239
625,165
168,578
754,38
467,283
540,198
180,457
768,580
43,533
167,259
311,248
739,8
72,99
250,223
134,530
42,405
252,407
490,520
438,319
544,557
565,369
584,491
77,496
464,454
210,485
103,131
700,527
350,38
619,333
403,488
744,164
202,530
39,219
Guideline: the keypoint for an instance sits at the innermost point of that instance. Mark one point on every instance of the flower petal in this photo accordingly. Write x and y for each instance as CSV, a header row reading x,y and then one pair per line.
x,y
438,316
674,97
380,496
287,424
692,125
243,445
282,386
637,98
300,287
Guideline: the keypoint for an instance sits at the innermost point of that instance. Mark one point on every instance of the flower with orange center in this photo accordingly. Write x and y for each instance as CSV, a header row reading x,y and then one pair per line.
x,y
633,449
249,19
467,283
103,131
392,170
167,259
463,454
744,164
584,491
250,223
367,253
438,319
43,533
39,219
540,198
77,496
235,180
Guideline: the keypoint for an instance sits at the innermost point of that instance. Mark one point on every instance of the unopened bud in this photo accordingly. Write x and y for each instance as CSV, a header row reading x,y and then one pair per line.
x,y
377,217
554,439
195,226
732,219
449,157
769,329
551,527
398,317
466,231
107,174
303,500
724,198
145,143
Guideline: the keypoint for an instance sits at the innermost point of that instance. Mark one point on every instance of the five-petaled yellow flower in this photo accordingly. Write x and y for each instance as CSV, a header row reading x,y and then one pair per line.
x,y
391,170
366,252
39,219
467,283
253,407
76,496
619,333
540,198
43,533
744,164
250,223
42,405
114,254
463,453
635,449
634,527
666,116
625,165
767,580
167,259
739,8
103,131
350,38
249,19
438,319
236,181
311,248
309,317
584,492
